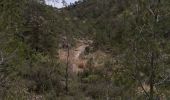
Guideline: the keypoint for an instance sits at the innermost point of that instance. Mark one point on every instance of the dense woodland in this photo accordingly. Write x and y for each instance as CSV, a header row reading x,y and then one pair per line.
x,y
133,34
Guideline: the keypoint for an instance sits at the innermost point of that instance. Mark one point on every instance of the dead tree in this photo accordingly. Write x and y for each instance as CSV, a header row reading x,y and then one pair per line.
x,y
67,67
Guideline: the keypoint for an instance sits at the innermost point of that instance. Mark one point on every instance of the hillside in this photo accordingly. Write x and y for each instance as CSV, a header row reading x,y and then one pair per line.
x,y
101,20
89,50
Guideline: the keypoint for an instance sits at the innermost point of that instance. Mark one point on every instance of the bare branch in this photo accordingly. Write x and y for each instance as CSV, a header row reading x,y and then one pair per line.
x,y
151,11
12,55
163,81
140,83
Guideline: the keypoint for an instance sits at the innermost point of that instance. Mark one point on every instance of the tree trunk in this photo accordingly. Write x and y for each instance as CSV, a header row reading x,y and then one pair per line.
x,y
151,84
67,66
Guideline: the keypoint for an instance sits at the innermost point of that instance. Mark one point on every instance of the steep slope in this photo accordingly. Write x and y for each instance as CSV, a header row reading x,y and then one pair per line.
x,y
101,20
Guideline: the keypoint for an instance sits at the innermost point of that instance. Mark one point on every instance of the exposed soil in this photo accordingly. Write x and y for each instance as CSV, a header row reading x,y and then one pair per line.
x,y
76,62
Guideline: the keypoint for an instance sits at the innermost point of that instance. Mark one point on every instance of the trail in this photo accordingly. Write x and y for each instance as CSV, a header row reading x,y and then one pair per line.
x,y
79,51
77,60
76,63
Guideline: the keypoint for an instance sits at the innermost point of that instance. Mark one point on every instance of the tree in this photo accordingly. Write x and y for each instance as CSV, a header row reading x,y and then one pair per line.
x,y
28,43
147,56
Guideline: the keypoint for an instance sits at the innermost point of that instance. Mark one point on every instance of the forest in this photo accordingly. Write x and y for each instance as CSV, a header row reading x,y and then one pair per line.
x,y
87,50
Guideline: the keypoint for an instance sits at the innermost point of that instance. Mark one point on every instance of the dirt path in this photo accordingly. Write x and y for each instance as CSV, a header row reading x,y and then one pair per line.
x,y
79,51
76,62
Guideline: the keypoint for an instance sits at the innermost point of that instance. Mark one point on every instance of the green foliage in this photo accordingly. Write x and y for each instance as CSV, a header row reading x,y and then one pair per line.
x,y
28,47
134,33
132,30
